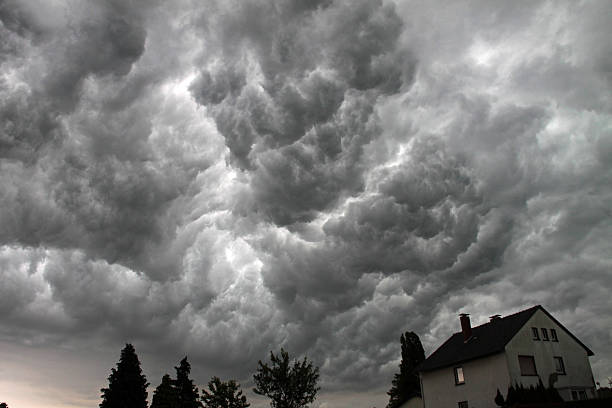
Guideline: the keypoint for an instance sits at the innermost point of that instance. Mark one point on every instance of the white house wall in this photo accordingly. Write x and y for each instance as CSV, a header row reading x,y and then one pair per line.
x,y
577,366
414,402
482,379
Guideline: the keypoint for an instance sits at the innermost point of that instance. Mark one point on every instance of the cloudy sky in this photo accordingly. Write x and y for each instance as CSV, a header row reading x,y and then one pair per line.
x,y
223,178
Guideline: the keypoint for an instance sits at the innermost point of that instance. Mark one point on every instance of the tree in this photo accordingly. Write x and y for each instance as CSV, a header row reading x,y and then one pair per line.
x,y
165,395
406,384
3,405
288,386
127,385
187,393
519,394
223,395
511,396
499,399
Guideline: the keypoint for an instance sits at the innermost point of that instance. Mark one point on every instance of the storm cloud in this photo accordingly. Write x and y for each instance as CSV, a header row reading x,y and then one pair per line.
x,y
221,179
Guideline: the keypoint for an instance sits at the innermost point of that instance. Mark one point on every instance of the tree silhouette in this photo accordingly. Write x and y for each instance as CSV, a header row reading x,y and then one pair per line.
x,y
406,384
127,385
223,395
3,405
165,395
499,399
187,392
519,394
288,386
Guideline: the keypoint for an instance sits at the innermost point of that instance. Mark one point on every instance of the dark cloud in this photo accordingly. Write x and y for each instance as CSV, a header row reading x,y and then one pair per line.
x,y
90,147
225,180
59,58
20,19
300,111
293,182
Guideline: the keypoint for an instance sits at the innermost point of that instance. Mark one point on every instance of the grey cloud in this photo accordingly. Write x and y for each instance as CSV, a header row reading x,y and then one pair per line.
x,y
89,293
506,165
17,291
227,82
20,19
224,181
91,298
109,207
106,43
95,175
425,214
422,220
27,125
293,182
304,123
573,73
496,139
565,82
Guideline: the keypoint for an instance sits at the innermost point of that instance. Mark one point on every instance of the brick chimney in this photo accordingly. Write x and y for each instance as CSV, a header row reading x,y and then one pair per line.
x,y
466,327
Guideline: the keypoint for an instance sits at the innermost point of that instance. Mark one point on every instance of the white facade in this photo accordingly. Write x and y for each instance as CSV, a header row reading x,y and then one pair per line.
x,y
483,376
414,402
578,375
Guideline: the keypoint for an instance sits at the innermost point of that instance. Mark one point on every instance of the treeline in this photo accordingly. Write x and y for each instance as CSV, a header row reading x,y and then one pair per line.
x,y
287,384
519,394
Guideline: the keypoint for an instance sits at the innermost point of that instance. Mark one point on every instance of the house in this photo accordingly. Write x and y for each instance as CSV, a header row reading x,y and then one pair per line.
x,y
522,348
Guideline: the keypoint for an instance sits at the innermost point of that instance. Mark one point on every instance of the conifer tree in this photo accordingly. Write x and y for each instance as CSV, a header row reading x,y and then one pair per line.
x,y
223,395
406,384
519,394
187,392
511,396
499,399
127,385
165,395
552,395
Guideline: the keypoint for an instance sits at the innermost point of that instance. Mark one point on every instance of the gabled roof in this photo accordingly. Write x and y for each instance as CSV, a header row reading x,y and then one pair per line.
x,y
487,339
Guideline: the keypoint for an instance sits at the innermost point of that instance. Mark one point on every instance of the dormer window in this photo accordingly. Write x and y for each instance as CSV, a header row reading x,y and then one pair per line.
x,y
544,334
553,335
536,333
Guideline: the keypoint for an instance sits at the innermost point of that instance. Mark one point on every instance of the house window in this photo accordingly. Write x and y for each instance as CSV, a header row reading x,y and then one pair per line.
x,y
536,333
527,365
553,335
459,379
544,334
559,366
462,404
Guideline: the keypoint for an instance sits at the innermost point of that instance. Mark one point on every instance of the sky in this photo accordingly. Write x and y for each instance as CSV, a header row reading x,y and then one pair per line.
x,y
222,178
